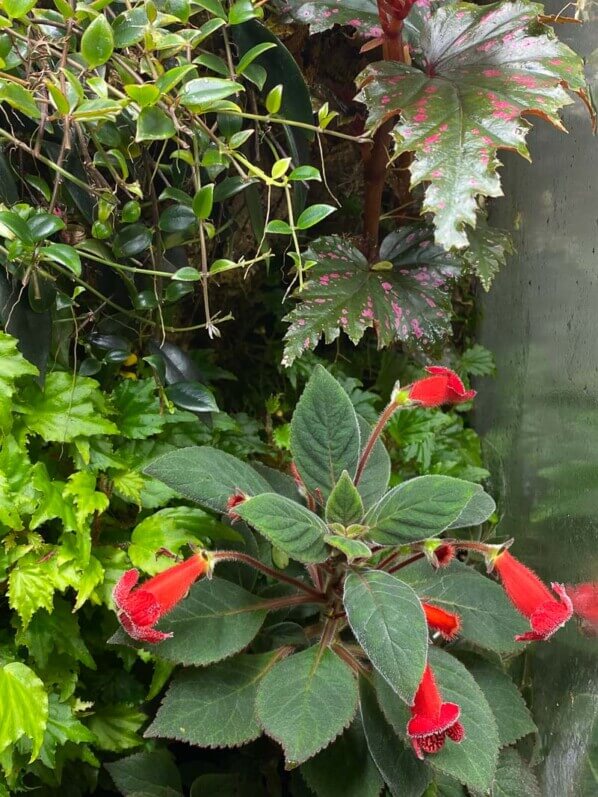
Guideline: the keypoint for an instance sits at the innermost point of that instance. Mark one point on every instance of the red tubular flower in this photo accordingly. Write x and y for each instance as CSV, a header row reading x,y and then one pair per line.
x,y
431,719
140,608
447,623
532,598
443,387
585,605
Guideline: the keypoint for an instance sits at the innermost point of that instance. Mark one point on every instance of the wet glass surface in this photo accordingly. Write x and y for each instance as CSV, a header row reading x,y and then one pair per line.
x,y
539,416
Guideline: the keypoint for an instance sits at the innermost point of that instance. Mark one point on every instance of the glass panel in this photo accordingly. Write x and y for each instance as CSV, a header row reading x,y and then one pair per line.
x,y
540,415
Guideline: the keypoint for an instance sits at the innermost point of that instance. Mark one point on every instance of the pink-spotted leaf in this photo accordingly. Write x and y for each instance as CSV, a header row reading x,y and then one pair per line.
x,y
402,297
321,15
476,71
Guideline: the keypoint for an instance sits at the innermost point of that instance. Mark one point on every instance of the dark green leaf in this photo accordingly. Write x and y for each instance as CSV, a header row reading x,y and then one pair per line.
x,y
152,774
192,396
306,701
202,93
11,222
514,778
419,508
345,768
487,617
216,620
376,474
207,476
43,225
314,215
323,14
177,218
344,504
510,712
325,438
287,525
388,621
214,706
65,255
131,240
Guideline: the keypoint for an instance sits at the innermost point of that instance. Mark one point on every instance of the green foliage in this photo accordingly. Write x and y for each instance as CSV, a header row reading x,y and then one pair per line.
x,y
306,701
388,622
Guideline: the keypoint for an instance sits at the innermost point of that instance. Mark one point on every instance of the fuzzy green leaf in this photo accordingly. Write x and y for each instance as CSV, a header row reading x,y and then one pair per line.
x,y
388,621
353,549
214,706
513,777
419,508
487,617
472,761
345,768
376,474
325,437
476,70
306,701
406,302
513,718
207,476
24,707
217,619
344,504
287,525
403,773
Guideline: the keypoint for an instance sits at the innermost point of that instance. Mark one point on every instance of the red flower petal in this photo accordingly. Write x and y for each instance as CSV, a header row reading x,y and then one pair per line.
x,y
549,617
584,598
430,392
525,590
446,623
444,554
456,732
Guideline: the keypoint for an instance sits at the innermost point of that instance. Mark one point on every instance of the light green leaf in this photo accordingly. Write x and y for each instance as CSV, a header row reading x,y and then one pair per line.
x,y
20,98
403,773
201,94
55,632
13,226
138,407
81,486
97,42
306,701
325,436
487,617
472,761
66,408
353,549
214,706
31,585
171,529
388,621
203,201
62,727
24,707
345,768
14,366
150,773
314,215
154,125
512,716
18,8
143,94
217,619
115,727
287,525
207,476
419,508
344,503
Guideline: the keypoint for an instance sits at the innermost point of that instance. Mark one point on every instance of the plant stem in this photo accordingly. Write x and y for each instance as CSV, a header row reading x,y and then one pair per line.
x,y
406,562
386,415
237,556
281,603
375,162
347,657
303,125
